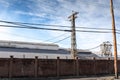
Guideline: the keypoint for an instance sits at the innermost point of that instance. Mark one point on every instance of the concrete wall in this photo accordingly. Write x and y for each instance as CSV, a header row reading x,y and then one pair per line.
x,y
16,67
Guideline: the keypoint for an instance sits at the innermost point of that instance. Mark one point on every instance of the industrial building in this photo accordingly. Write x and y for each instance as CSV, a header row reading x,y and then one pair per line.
x,y
42,50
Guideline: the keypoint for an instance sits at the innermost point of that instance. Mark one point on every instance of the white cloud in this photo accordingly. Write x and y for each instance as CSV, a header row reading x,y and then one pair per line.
x,y
30,14
4,3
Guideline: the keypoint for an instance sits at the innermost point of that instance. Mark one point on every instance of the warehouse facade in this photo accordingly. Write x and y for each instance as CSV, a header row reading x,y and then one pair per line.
x,y
42,50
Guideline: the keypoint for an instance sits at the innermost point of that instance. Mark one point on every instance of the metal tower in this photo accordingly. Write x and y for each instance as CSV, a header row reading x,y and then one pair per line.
x,y
105,48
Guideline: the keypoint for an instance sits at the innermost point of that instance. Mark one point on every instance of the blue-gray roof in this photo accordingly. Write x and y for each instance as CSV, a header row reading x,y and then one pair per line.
x,y
27,50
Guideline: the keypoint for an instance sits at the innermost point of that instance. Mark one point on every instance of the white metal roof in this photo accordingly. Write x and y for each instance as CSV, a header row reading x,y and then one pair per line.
x,y
28,45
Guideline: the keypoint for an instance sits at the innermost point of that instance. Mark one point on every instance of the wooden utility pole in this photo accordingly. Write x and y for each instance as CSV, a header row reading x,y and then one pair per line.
x,y
114,40
73,35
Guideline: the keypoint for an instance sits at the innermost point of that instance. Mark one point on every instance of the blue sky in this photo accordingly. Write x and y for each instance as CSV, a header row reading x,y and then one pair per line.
x,y
92,13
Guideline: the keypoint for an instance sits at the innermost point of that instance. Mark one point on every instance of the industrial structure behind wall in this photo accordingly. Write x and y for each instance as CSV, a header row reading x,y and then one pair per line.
x,y
42,50
106,49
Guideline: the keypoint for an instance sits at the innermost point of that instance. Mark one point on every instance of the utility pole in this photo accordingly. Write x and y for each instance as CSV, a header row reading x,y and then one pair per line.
x,y
73,35
114,40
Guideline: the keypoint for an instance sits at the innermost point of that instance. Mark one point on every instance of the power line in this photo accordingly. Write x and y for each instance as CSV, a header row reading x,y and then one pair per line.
x,y
32,37
65,30
61,39
20,23
93,31
46,40
56,37
97,28
18,35
93,47
32,27
97,47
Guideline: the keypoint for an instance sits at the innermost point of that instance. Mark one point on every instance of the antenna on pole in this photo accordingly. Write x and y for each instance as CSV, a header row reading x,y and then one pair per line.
x,y
73,34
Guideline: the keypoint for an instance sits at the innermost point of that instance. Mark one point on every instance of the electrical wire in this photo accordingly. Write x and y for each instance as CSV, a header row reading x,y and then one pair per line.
x,y
31,38
32,27
93,31
65,30
93,48
56,37
61,39
20,23
97,47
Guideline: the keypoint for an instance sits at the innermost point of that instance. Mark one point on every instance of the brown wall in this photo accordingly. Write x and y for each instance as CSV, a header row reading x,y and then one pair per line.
x,y
15,67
